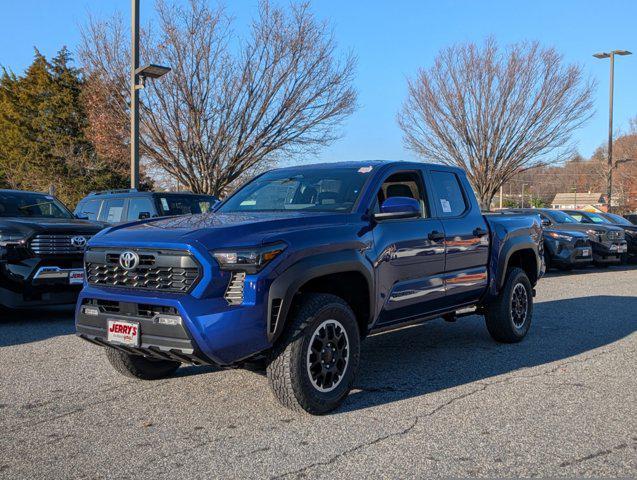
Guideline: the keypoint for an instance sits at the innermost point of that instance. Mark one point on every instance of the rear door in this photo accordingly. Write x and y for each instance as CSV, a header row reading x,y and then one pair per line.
x,y
408,254
466,236
140,207
113,210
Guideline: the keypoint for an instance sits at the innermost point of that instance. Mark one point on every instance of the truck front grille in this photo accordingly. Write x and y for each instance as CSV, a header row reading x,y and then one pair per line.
x,y
614,235
58,244
165,271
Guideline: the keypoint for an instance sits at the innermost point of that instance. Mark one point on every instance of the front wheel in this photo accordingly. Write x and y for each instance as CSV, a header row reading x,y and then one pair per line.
x,y
143,368
314,365
508,317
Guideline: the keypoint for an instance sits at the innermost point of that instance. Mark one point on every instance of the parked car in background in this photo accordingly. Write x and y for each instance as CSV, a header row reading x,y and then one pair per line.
x,y
41,250
607,241
631,217
563,248
119,206
298,266
630,230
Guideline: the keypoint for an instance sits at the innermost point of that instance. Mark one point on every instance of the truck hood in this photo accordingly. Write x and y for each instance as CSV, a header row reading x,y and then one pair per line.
x,y
573,233
51,225
213,230
583,227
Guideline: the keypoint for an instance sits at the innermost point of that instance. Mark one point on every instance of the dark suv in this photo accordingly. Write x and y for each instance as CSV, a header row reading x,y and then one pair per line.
x,y
41,250
118,206
607,241
601,218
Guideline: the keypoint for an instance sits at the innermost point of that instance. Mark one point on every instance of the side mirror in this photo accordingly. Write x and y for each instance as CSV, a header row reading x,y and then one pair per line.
x,y
545,222
80,216
399,207
143,215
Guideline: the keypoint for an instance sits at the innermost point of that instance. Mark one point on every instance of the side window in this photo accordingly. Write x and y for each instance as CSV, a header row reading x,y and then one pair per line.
x,y
402,184
90,209
140,205
112,210
448,193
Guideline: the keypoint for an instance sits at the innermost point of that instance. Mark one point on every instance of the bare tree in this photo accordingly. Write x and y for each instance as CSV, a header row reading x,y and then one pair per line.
x,y
495,112
229,106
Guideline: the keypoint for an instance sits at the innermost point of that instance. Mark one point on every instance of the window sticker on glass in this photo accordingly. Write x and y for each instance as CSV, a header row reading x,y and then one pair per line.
x,y
365,169
446,206
164,203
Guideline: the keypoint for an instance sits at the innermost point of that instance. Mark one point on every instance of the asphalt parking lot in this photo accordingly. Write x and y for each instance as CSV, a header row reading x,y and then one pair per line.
x,y
430,401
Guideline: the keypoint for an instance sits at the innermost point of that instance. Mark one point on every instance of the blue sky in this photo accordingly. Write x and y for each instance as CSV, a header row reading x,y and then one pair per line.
x,y
391,40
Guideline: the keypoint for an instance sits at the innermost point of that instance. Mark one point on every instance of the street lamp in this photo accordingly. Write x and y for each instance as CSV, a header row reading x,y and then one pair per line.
x,y
138,79
611,55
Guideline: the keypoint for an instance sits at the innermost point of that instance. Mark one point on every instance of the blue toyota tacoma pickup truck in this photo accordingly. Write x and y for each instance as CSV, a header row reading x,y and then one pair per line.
x,y
298,266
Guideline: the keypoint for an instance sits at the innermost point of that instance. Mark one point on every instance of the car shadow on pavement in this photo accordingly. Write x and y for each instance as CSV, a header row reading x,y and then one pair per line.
x,y
437,355
25,326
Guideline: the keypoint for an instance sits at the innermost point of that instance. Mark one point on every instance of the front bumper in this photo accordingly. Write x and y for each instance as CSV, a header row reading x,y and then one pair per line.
x,y
210,332
33,282
609,252
569,254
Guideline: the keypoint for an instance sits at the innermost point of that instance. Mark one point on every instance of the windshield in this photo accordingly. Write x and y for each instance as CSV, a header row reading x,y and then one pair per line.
x,y
313,190
185,204
618,219
597,218
27,204
560,217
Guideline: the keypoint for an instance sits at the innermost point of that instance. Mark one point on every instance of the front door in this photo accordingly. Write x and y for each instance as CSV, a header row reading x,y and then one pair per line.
x,y
408,255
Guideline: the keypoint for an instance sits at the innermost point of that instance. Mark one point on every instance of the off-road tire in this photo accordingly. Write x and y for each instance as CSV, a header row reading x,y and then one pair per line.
x,y
498,315
136,366
287,370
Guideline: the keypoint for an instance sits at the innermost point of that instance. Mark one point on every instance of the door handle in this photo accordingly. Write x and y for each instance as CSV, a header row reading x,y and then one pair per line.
x,y
479,232
436,236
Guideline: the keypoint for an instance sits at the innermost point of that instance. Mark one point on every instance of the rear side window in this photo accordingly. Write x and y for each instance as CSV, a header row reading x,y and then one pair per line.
x,y
112,211
140,207
90,209
448,192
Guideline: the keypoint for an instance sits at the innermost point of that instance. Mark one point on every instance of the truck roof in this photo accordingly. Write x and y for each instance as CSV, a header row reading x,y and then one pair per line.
x,y
371,163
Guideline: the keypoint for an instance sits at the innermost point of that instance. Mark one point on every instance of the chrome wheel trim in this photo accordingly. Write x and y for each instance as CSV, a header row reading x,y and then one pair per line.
x,y
327,356
519,305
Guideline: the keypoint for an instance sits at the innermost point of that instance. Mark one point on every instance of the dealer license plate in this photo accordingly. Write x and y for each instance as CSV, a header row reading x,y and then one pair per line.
x,y
586,252
126,333
622,249
76,277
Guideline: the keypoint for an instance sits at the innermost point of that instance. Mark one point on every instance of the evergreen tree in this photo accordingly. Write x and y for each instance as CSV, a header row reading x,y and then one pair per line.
x,y
43,122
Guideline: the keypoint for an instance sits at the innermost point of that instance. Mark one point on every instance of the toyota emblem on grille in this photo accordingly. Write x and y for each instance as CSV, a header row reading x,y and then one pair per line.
x,y
78,241
129,260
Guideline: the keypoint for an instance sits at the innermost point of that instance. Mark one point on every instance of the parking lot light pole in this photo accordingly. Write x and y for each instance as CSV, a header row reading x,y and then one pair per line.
x,y
611,55
134,94
138,79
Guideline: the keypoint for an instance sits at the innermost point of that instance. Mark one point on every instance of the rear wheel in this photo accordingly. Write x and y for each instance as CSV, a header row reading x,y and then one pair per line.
x,y
143,368
314,365
509,316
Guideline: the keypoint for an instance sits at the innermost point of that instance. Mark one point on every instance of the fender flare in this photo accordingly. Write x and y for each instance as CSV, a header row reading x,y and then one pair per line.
x,y
287,285
512,246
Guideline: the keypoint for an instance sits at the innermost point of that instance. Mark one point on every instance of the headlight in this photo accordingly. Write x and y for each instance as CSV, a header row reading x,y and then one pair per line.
x,y
594,234
249,259
560,236
11,237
